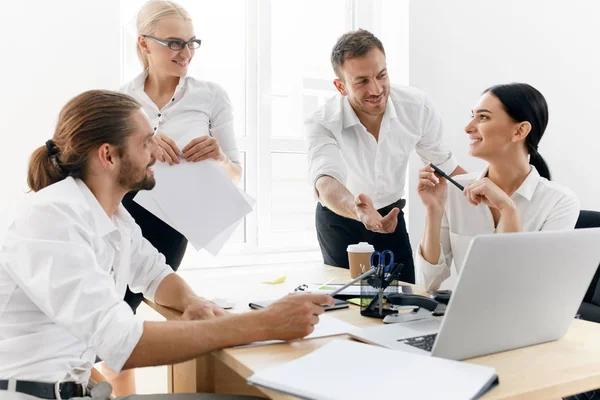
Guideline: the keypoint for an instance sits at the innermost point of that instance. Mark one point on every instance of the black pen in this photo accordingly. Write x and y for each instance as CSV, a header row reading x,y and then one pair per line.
x,y
443,175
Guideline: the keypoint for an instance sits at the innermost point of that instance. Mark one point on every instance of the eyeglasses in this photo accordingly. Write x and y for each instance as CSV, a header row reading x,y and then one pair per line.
x,y
178,44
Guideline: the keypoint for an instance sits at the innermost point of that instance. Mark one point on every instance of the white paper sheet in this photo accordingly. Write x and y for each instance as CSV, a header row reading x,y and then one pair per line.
x,y
327,326
198,200
328,372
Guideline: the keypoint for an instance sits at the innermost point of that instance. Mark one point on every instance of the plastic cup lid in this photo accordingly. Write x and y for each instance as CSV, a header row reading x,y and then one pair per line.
x,y
362,247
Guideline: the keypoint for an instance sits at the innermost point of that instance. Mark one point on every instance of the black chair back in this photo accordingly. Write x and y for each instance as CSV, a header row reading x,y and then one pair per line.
x,y
591,219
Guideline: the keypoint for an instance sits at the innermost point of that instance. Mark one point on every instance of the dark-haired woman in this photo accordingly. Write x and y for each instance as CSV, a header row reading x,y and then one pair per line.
x,y
513,194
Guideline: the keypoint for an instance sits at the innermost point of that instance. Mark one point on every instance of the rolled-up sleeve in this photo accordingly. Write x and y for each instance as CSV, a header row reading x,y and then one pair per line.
x,y
149,267
430,276
222,126
51,257
431,148
323,152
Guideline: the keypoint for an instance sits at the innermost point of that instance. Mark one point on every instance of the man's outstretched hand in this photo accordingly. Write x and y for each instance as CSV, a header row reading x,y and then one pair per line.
x,y
370,217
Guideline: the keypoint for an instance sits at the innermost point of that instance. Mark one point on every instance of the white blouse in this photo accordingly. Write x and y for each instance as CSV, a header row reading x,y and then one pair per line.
x,y
197,108
542,205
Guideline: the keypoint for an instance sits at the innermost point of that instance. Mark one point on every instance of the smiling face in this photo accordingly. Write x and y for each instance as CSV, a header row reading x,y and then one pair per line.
x,y
493,133
135,172
366,83
161,58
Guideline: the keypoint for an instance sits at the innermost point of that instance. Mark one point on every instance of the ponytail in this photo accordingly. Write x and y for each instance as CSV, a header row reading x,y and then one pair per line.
x,y
85,123
523,102
44,168
539,163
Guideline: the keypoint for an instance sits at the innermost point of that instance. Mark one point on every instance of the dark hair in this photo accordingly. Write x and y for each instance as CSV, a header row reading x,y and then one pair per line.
x,y
351,45
523,102
86,122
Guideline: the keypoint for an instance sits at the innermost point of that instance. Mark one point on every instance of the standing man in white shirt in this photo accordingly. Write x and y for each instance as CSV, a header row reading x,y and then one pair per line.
x,y
359,145
73,249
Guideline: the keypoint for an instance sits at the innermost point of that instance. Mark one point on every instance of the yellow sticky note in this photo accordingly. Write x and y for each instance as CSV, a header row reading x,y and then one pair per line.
x,y
359,302
276,281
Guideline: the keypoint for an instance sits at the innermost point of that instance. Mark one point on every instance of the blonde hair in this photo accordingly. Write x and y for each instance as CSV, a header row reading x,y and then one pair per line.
x,y
152,12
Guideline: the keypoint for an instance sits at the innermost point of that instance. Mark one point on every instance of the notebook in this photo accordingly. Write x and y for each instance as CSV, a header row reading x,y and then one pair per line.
x,y
344,369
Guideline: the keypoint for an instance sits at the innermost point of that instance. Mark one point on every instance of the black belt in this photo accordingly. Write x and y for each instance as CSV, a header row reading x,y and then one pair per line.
x,y
44,390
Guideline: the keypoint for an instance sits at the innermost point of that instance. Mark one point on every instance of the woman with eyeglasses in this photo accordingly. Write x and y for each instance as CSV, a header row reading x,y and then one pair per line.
x,y
192,119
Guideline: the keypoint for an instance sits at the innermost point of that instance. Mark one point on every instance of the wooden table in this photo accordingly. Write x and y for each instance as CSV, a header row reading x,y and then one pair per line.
x,y
551,370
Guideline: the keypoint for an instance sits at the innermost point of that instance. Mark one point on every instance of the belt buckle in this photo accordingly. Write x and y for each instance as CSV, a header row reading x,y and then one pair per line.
x,y
57,389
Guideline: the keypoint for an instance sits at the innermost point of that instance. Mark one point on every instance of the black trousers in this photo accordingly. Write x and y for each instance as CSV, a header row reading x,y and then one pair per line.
x,y
167,241
335,233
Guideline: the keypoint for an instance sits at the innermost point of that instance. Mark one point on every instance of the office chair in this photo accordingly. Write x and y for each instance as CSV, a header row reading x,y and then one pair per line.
x,y
590,307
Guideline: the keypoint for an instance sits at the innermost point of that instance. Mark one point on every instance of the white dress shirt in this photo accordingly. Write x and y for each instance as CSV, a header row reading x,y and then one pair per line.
x,y
64,268
197,108
339,146
542,205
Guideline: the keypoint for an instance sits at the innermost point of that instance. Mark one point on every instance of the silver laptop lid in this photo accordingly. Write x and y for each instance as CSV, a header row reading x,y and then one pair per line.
x,y
517,289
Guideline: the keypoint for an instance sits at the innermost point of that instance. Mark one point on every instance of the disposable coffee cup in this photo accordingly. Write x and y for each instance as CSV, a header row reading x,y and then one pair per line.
x,y
359,258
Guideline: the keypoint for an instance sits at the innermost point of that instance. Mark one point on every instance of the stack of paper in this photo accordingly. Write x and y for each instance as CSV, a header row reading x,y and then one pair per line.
x,y
198,200
346,370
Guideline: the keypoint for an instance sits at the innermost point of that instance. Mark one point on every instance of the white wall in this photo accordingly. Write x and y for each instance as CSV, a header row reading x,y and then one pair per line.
x,y
459,48
51,51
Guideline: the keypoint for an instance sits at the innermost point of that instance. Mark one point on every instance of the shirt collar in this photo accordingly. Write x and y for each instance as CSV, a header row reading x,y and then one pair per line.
x,y
140,80
104,225
350,118
528,186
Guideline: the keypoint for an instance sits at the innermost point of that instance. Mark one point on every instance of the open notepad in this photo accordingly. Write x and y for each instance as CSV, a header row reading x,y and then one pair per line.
x,y
345,370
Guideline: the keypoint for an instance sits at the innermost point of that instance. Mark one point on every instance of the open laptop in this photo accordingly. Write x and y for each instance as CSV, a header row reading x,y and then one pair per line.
x,y
515,290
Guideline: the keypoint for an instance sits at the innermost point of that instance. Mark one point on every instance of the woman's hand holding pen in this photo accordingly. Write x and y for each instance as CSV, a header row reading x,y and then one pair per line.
x,y
203,148
433,190
170,151
487,192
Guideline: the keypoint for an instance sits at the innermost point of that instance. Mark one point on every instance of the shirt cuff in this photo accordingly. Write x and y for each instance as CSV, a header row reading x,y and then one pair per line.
x,y
151,292
333,175
449,165
428,274
118,335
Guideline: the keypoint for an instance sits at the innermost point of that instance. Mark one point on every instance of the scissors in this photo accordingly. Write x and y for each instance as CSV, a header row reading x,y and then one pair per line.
x,y
380,258
382,268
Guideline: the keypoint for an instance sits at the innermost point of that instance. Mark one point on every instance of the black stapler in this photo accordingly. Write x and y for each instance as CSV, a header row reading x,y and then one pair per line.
x,y
422,307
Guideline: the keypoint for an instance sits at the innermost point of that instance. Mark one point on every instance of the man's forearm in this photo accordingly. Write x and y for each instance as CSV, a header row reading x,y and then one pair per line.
x,y
175,293
334,195
173,342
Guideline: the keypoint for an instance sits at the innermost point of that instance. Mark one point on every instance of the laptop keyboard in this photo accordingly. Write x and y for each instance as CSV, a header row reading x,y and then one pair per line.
x,y
424,342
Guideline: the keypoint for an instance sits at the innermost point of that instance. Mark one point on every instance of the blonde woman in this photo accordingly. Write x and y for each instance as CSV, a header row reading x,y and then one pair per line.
x,y
192,120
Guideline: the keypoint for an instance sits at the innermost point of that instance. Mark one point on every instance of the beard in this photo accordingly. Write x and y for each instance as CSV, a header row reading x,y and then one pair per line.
x,y
363,106
132,178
